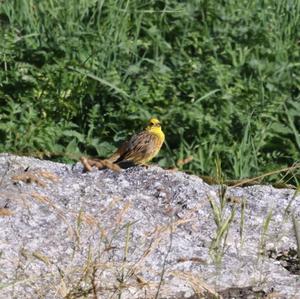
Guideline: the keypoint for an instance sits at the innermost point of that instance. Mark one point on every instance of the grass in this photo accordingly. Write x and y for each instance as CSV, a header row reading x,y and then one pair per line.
x,y
223,219
224,212
79,77
297,235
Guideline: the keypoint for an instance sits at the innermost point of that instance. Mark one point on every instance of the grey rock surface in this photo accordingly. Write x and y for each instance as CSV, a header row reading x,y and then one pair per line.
x,y
139,233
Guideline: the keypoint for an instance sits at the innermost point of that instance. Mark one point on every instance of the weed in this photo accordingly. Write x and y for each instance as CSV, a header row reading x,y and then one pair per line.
x,y
297,235
264,233
222,219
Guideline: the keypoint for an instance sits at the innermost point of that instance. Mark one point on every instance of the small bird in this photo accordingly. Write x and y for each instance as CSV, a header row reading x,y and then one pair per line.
x,y
142,147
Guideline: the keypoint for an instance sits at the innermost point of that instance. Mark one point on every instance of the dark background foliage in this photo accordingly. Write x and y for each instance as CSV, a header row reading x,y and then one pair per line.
x,y
78,77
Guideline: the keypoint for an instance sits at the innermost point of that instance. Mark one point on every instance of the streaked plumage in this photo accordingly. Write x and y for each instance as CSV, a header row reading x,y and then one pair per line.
x,y
142,147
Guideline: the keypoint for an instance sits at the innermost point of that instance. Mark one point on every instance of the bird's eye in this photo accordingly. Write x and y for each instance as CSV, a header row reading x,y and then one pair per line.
x,y
152,124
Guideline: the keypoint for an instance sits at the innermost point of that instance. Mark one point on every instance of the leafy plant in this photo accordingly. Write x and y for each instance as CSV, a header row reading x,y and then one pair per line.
x,y
80,77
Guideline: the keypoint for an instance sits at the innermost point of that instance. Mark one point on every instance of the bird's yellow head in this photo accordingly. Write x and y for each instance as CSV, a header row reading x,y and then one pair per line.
x,y
153,124
155,128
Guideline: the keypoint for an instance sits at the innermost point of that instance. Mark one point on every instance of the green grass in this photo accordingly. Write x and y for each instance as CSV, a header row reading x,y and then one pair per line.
x,y
78,77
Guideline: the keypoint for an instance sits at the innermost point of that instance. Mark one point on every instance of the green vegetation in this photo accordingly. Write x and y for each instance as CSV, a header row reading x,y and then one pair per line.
x,y
78,77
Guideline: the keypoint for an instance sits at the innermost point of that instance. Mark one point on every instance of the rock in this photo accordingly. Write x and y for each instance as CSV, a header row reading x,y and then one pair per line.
x,y
140,233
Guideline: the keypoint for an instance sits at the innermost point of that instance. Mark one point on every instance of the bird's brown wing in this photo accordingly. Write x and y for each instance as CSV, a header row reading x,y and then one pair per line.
x,y
119,152
138,147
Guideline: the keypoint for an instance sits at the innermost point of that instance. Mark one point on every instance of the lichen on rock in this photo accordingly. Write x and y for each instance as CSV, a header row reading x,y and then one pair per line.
x,y
140,232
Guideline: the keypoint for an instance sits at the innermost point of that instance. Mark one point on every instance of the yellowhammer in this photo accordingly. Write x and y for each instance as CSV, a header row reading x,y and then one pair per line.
x,y
142,147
